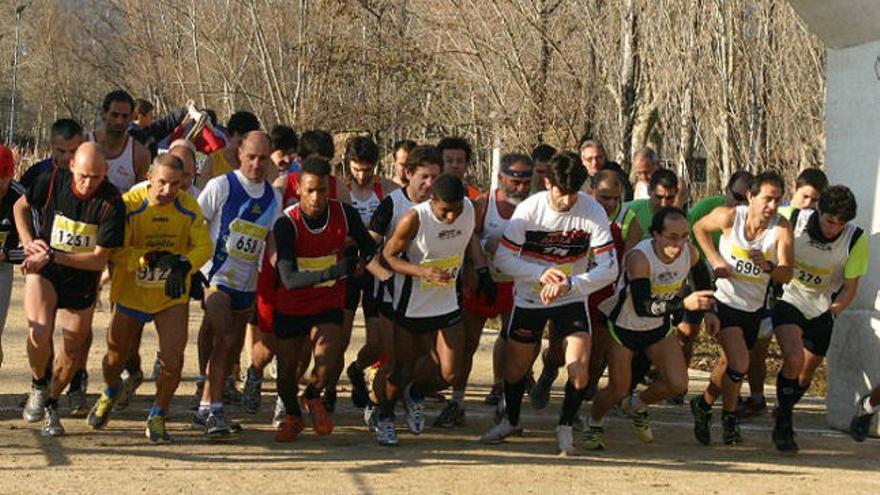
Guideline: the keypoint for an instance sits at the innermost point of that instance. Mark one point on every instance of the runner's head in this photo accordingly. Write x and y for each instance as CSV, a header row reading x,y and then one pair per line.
x,y
515,177
186,152
314,186
166,178
808,188
663,188
592,156
565,177
399,153
671,232
143,113
284,142
117,108
7,169
239,124
253,155
737,190
361,158
645,163
447,198
456,154
541,156
316,143
89,169
607,190
423,165
65,137
837,206
765,194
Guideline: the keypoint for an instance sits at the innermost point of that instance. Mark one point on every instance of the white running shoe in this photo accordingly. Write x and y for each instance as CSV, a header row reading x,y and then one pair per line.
x,y
500,431
565,440
35,406
415,412
52,426
280,413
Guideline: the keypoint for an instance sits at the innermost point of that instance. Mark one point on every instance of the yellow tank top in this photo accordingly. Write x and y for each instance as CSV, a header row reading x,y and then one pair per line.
x,y
220,165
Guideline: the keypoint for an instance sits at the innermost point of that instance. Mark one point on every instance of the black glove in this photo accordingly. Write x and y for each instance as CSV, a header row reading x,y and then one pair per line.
x,y
198,283
486,286
175,285
152,258
343,269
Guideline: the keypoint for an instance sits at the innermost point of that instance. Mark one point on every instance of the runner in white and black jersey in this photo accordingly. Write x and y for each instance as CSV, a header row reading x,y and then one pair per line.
x,y
426,252
423,165
127,159
546,248
830,256
755,247
650,291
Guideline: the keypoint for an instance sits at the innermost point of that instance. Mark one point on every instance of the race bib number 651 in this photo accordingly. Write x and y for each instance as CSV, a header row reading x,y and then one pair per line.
x,y
72,236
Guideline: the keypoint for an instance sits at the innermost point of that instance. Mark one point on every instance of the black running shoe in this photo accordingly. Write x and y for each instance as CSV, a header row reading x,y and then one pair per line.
x,y
783,436
730,429
702,422
860,426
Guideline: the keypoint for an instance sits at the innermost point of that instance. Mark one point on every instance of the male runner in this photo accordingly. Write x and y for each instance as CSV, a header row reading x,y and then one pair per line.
x,y
240,207
830,255
68,222
225,160
127,159
284,144
457,154
541,156
649,291
546,248
65,137
399,152
166,241
645,163
10,251
755,247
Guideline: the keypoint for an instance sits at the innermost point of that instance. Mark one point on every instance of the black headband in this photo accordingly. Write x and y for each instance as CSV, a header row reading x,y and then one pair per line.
x,y
519,174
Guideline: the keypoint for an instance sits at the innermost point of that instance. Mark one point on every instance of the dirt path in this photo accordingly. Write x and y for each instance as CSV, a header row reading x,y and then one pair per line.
x,y
119,459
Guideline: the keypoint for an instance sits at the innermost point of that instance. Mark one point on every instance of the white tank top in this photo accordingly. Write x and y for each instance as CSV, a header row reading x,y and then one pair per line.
x,y
666,282
436,244
746,289
402,204
366,207
493,229
120,170
818,267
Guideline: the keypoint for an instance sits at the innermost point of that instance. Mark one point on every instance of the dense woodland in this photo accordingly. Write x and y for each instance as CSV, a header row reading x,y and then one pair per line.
x,y
725,83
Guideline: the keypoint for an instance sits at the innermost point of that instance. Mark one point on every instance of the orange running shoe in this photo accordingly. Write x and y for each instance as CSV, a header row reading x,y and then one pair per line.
x,y
321,422
290,427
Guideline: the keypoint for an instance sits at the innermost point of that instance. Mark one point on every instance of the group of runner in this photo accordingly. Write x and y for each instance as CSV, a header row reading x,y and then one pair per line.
x,y
279,247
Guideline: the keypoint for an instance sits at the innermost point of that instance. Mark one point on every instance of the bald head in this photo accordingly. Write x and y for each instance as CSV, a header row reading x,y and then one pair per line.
x,y
185,151
254,155
89,168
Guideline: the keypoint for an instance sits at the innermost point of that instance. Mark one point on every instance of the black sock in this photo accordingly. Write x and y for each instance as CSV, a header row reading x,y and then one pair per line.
x,y
639,368
572,402
287,390
311,392
42,382
76,383
787,395
801,390
51,403
703,404
513,395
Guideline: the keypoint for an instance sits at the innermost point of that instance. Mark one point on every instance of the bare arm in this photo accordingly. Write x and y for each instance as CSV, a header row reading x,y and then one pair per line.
x,y
784,270
846,296
94,261
720,218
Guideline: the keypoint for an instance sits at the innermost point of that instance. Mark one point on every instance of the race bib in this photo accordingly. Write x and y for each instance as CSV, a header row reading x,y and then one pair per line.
x,y
246,240
811,277
151,278
317,264
666,291
744,267
566,268
73,237
450,265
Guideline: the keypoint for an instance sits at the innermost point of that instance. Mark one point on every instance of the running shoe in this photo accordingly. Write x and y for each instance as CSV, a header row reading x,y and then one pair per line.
x,y
494,395
231,395
359,393
321,422
155,430
35,406
415,412
594,438
452,415
730,433
783,436
386,434
860,426
99,415
217,427
499,432
200,423
702,422
371,417
565,440
677,400
280,412
130,383
76,399
540,394
289,428
52,425
197,396
750,407
640,423
253,394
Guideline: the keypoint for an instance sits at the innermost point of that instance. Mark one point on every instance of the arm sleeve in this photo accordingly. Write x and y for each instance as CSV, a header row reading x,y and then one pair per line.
x,y
701,276
605,255
381,218
508,258
366,245
647,306
286,265
857,263
161,128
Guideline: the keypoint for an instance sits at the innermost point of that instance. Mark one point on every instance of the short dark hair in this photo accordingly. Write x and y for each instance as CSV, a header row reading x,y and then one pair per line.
x,y
455,143
739,175
838,201
283,138
316,141
604,175
142,107
543,153
769,177
658,221
117,95
403,144
316,165
663,177
66,129
361,149
566,172
812,177
242,122
448,188
511,158
423,155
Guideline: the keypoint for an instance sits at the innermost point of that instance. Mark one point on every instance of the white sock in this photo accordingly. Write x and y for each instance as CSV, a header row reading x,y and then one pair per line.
x,y
866,405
